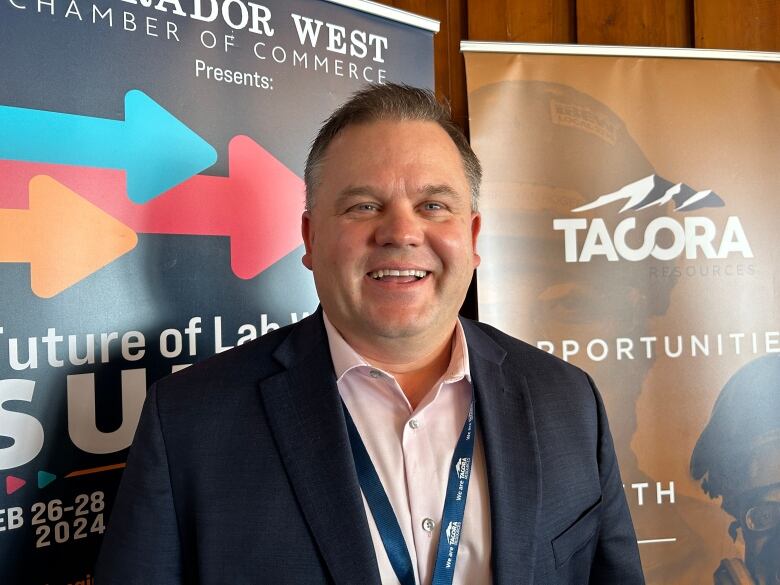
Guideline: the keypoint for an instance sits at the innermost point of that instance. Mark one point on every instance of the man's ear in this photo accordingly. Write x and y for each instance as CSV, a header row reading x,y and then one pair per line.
x,y
476,226
308,238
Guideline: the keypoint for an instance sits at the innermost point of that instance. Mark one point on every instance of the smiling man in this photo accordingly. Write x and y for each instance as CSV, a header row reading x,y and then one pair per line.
x,y
391,238
381,440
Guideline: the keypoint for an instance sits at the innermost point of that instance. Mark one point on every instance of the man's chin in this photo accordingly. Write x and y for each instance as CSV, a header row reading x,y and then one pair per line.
x,y
393,326
398,330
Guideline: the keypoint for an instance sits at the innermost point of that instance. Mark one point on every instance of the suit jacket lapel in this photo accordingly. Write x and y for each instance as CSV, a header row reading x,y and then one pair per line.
x,y
505,416
307,421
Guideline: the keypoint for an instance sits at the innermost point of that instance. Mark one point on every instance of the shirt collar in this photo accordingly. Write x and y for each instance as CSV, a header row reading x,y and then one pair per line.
x,y
345,358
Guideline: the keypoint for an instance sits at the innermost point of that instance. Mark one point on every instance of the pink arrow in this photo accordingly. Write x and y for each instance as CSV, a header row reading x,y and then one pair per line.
x,y
258,205
13,484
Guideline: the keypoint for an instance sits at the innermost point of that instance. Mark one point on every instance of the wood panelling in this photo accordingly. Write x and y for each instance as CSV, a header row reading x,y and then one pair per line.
x,y
714,24
652,23
529,21
738,24
450,72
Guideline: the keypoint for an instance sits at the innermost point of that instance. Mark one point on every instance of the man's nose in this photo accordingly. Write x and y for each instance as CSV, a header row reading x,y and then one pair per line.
x,y
399,226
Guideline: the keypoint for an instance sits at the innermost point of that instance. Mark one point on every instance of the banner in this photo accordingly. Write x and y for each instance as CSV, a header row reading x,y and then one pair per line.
x,y
151,155
630,211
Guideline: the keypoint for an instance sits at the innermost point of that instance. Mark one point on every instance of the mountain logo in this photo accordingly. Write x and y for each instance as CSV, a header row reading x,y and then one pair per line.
x,y
462,467
654,191
453,533
693,236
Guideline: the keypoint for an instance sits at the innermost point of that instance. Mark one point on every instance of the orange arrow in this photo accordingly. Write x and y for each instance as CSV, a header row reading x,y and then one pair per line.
x,y
63,237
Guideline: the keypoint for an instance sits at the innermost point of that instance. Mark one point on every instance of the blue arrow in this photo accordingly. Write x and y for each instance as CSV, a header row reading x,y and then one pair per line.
x,y
156,150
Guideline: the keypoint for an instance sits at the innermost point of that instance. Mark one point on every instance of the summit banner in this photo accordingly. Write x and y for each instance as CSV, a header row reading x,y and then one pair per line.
x,y
151,164
630,208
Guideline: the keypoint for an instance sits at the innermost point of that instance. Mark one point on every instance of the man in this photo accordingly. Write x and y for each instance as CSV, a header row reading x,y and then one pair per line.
x,y
737,457
342,449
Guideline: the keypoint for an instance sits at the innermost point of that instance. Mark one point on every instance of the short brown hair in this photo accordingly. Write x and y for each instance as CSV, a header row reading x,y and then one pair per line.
x,y
391,101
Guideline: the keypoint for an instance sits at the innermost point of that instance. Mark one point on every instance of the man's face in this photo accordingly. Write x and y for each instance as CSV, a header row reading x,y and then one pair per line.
x,y
392,197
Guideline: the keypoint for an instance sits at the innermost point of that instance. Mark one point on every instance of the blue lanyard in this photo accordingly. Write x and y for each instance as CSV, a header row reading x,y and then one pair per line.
x,y
452,515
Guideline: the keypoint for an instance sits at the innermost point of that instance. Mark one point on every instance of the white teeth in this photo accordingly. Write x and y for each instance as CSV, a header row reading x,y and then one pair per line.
x,y
377,274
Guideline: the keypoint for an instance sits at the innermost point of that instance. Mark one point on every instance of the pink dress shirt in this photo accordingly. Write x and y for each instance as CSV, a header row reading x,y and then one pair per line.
x,y
412,451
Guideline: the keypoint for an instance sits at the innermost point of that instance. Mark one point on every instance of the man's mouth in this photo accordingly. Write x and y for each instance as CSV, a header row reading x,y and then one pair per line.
x,y
398,275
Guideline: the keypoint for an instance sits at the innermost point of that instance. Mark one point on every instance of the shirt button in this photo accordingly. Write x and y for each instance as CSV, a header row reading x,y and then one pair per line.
x,y
428,525
375,374
415,424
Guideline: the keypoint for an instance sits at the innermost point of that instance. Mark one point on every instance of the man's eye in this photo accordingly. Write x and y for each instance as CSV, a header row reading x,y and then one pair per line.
x,y
365,207
432,206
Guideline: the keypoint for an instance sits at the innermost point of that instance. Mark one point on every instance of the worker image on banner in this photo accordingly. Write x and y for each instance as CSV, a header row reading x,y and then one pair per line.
x,y
737,457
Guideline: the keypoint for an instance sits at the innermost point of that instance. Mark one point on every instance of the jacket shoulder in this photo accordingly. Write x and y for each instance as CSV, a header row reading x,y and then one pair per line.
x,y
532,359
553,385
245,365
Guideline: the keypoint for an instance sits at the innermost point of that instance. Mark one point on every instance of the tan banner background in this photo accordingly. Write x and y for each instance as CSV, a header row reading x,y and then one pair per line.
x,y
667,290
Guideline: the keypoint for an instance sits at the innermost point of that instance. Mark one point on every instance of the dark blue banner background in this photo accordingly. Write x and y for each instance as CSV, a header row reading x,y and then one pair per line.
x,y
62,63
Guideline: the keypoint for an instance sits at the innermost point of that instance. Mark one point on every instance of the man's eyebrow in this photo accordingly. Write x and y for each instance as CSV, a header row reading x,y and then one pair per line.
x,y
352,192
442,189
358,191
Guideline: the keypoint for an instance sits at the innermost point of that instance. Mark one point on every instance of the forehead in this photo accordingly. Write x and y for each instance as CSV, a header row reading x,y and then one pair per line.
x,y
387,150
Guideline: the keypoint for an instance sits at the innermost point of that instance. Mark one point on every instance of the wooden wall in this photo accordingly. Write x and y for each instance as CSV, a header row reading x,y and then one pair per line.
x,y
712,24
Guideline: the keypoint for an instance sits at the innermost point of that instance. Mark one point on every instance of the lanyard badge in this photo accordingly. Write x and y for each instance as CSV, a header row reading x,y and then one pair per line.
x,y
452,515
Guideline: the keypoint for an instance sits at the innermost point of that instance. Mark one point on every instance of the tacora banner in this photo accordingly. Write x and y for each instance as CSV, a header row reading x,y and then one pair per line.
x,y
630,226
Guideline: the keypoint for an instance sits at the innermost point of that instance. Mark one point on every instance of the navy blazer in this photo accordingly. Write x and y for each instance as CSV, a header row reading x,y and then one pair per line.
x,y
241,472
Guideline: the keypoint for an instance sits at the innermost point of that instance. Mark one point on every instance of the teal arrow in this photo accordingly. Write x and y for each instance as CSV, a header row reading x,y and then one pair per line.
x,y
45,478
155,149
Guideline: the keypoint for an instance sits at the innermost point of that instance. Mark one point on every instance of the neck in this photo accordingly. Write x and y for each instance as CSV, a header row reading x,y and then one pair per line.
x,y
415,372
417,377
